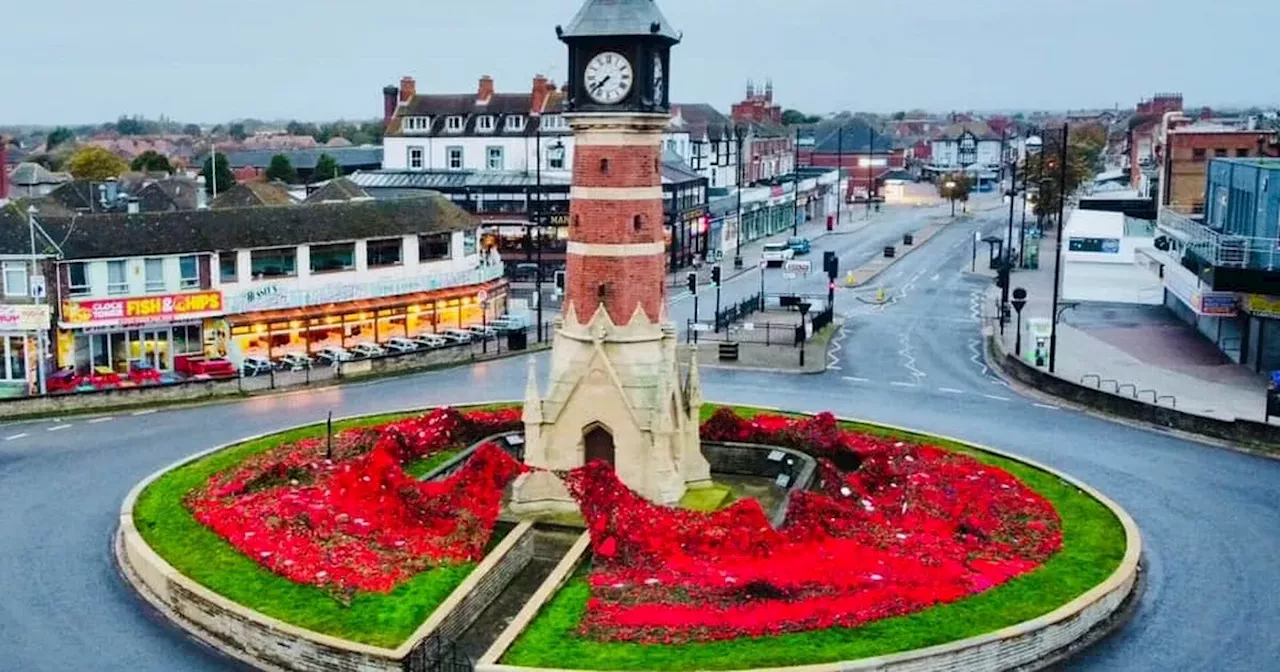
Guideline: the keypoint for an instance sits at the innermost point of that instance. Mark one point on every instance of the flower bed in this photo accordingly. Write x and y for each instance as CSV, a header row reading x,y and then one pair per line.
x,y
916,545
268,465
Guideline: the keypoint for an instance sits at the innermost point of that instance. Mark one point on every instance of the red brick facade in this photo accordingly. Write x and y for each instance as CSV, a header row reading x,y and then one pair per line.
x,y
619,282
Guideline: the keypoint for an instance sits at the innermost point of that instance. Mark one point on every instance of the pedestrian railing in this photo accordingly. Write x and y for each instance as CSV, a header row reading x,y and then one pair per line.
x,y
1134,392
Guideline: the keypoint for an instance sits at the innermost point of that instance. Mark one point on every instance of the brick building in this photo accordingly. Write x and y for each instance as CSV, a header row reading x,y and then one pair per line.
x,y
864,155
1144,131
1185,153
757,107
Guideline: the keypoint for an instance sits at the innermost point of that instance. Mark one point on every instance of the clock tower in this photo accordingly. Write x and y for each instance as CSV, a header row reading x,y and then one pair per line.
x,y
616,392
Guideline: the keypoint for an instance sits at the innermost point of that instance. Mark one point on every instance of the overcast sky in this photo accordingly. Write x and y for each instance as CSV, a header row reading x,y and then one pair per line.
x,y
73,61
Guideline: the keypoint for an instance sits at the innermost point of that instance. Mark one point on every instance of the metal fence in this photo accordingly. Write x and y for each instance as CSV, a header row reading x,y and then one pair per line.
x,y
763,333
737,311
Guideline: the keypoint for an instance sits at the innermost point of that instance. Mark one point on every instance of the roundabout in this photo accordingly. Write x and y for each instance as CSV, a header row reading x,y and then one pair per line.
x,y
253,603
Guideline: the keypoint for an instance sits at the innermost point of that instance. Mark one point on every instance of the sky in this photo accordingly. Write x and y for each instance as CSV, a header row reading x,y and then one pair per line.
x,y
76,61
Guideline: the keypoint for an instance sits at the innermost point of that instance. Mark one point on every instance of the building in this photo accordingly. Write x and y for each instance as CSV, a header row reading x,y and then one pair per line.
x,y
32,180
1143,135
709,135
251,164
617,393
964,144
1103,259
758,106
864,155
1185,149
262,281
768,153
1223,273
24,311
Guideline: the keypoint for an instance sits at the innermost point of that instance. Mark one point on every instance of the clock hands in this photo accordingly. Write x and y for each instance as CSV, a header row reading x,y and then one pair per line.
x,y
600,83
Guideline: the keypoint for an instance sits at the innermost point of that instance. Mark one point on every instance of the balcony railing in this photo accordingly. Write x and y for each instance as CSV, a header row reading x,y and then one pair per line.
x,y
1221,250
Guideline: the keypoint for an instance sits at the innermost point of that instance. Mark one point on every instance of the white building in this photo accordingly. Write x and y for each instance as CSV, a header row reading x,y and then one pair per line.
x,y
965,144
1105,259
704,138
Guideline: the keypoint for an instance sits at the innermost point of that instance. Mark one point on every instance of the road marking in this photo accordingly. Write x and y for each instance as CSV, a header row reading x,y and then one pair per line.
x,y
992,396
149,411
103,419
856,379
15,437
1052,408
898,384
58,427
950,390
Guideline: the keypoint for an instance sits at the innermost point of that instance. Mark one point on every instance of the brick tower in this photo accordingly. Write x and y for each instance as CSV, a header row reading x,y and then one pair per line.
x,y
616,390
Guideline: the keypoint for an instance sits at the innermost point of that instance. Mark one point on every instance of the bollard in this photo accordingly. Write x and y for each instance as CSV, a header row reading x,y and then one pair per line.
x,y
848,279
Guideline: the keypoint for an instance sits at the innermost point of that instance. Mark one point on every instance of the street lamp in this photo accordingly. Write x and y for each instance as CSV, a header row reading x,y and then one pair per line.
x,y
951,194
35,265
739,134
1057,255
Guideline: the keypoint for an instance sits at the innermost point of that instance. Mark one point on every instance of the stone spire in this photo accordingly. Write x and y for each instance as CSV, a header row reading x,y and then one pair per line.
x,y
532,400
693,389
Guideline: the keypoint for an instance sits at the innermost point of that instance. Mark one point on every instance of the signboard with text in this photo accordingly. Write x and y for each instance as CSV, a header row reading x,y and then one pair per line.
x,y
1263,306
141,309
1220,304
24,318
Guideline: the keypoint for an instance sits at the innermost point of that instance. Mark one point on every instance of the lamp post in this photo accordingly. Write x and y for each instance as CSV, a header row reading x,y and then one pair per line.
x,y
1022,228
871,162
1057,261
739,134
40,333
951,194
795,181
1006,263
839,172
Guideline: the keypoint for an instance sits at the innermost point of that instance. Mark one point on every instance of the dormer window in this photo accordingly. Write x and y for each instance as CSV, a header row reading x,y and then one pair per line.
x,y
416,124
484,124
453,124
515,123
552,122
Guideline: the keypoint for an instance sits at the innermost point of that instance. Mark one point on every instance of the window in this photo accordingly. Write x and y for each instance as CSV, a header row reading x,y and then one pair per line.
x,y
417,124
515,123
187,340
468,243
154,272
77,278
493,158
15,358
455,158
279,262
117,278
1220,151
15,278
1197,155
484,123
1242,152
453,124
188,272
415,158
434,246
331,258
553,122
227,268
381,253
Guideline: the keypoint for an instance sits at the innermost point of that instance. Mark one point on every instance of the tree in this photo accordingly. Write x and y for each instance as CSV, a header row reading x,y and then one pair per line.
x,y
1044,171
326,169
237,131
58,136
191,129
95,163
299,128
225,178
282,169
51,161
792,117
955,186
899,115
130,126
151,161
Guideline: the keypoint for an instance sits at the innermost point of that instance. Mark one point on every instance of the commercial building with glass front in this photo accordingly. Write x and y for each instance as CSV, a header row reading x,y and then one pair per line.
x,y
165,291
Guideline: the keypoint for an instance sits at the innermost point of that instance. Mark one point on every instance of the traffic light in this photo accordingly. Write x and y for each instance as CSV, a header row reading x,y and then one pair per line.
x,y
693,283
715,275
1002,276
831,264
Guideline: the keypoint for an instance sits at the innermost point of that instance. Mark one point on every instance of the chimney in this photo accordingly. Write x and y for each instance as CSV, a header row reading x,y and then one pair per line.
x,y
541,90
485,91
751,89
768,90
408,89
111,191
202,196
390,99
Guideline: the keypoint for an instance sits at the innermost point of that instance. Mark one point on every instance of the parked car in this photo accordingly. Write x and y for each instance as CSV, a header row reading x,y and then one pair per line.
x,y
430,341
776,254
332,353
293,361
399,345
253,366
509,323
482,330
457,335
368,350
799,246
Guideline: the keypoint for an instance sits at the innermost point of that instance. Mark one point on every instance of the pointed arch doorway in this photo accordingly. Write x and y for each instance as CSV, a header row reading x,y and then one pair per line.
x,y
598,443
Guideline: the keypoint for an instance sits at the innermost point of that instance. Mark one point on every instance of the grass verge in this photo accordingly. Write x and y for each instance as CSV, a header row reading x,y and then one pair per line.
x,y
1093,546
200,554
710,498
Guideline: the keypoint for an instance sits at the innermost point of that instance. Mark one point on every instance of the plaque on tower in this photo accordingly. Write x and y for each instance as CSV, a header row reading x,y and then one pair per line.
x,y
616,390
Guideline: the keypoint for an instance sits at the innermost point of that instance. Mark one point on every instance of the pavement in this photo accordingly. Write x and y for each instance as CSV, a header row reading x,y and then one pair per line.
x,y
1208,516
1139,350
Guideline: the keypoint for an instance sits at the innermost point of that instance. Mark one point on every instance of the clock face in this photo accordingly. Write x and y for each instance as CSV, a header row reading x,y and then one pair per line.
x,y
608,77
658,80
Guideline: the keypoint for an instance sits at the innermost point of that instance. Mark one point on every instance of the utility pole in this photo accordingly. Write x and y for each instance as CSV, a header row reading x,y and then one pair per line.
x,y
739,134
1057,255
871,161
795,191
35,266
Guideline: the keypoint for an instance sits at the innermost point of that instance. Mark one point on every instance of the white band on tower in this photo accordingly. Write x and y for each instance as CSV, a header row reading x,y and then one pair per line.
x,y
616,249
615,193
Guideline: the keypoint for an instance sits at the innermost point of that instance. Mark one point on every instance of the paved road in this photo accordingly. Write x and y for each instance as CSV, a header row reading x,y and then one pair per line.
x,y
1210,517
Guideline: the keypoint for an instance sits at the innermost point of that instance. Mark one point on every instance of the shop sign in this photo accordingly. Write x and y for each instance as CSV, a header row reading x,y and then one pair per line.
x,y
1219,304
1261,305
141,309
24,318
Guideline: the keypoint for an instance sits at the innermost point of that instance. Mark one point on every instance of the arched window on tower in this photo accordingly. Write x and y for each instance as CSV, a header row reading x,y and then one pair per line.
x,y
638,222
604,166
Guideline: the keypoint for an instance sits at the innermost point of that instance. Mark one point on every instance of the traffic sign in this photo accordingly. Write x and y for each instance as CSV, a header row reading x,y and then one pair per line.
x,y
801,266
482,295
700,326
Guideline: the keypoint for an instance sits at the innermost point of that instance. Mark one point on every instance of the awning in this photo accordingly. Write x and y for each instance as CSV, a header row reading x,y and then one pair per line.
x,y
495,288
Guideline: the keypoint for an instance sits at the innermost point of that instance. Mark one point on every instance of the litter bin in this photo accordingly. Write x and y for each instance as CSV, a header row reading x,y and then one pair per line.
x,y
517,339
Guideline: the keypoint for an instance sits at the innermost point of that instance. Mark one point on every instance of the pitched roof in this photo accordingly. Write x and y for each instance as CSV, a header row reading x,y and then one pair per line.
x,y
340,189
172,193
701,119
305,159
980,129
440,106
31,174
856,140
252,194
601,18
129,235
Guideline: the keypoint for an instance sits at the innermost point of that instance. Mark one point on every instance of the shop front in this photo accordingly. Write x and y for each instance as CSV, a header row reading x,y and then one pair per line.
x,y
686,237
126,335
1215,315
1262,351
20,327
308,329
